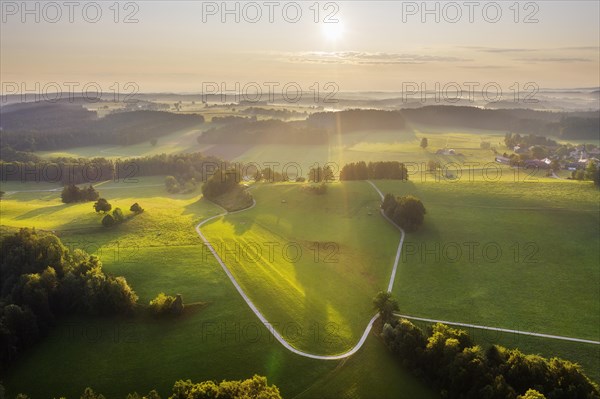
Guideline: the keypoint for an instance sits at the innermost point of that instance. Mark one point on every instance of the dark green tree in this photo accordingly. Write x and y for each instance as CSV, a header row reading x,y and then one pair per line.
x,y
108,221
385,305
136,208
102,205
118,215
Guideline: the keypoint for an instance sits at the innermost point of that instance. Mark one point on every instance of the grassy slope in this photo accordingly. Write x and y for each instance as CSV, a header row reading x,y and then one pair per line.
x,y
160,251
560,218
326,290
352,380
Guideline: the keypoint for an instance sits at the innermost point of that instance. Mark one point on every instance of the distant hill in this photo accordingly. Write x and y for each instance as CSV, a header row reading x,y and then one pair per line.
x,y
48,126
271,131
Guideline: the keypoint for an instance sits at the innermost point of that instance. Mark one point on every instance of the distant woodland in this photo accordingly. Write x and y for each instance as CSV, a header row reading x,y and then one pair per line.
x,y
32,127
51,126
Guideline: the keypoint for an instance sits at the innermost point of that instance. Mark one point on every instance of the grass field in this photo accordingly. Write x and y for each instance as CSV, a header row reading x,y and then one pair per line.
x,y
377,145
312,262
546,279
179,141
547,234
221,339
371,145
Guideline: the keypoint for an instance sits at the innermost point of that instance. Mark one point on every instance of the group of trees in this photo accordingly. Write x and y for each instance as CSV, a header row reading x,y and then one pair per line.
x,y
318,174
180,186
448,359
72,193
102,205
513,139
256,387
374,170
82,170
117,217
43,280
269,175
591,172
222,181
166,304
407,212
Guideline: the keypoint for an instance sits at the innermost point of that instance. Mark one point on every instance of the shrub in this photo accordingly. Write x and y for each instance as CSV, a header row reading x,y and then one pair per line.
x,y
108,221
118,215
165,304
102,205
136,208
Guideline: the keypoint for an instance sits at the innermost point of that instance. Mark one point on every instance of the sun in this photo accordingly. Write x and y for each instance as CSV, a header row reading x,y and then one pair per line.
x,y
333,31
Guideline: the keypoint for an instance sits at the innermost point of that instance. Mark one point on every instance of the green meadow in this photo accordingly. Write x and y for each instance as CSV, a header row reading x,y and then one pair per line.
x,y
218,337
312,263
310,260
515,255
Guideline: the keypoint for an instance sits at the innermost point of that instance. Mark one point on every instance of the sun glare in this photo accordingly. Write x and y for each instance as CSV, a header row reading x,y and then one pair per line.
x,y
333,31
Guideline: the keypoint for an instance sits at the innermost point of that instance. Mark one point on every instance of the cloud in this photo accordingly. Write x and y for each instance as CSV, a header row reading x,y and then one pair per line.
x,y
498,50
523,50
486,66
365,58
554,59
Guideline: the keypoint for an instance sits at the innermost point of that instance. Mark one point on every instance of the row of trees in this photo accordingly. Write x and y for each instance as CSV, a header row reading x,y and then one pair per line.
x,y
43,280
374,170
320,174
72,193
407,212
68,171
256,387
448,359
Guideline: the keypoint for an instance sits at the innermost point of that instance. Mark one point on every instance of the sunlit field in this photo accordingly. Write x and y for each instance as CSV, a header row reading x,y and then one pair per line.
x,y
310,261
159,251
300,200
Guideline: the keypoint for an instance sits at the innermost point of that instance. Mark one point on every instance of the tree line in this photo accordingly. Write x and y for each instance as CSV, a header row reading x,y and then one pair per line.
x,y
42,280
50,126
374,170
72,193
82,170
448,359
256,387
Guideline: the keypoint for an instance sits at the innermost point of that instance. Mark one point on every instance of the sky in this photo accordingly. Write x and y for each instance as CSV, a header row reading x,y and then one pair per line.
x,y
187,46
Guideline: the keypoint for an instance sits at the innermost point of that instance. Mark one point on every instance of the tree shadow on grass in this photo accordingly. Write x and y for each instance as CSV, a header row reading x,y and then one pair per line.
x,y
47,210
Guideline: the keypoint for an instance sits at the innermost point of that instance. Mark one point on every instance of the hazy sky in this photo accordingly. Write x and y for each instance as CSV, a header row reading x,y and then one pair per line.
x,y
376,45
